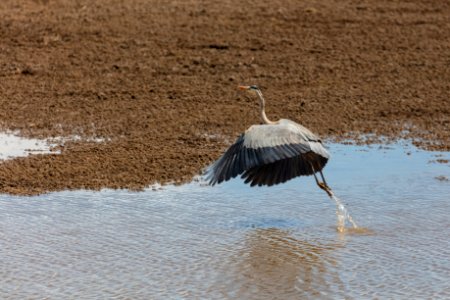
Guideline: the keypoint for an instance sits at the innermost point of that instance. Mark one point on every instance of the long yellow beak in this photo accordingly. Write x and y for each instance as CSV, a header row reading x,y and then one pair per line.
x,y
243,87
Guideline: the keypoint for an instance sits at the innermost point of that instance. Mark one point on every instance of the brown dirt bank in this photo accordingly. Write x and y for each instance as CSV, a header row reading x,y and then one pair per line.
x,y
159,79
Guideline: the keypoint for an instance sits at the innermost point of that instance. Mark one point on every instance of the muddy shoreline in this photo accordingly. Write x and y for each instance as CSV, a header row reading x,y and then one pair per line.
x,y
158,80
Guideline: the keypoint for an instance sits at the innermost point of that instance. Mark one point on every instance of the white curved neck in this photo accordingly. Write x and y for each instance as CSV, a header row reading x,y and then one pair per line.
x,y
262,108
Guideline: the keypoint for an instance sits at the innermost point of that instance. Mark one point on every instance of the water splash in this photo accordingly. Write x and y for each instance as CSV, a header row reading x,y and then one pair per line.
x,y
342,214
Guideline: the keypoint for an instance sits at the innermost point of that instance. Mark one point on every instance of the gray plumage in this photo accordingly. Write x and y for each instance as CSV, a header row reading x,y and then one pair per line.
x,y
270,154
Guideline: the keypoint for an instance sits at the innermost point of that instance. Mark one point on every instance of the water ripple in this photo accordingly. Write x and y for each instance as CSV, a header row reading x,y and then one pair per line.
x,y
236,242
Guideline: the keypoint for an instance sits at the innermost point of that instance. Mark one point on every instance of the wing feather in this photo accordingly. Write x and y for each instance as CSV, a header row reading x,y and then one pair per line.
x,y
264,154
283,170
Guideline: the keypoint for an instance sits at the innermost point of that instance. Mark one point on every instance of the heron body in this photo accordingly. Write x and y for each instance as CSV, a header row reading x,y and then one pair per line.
x,y
271,153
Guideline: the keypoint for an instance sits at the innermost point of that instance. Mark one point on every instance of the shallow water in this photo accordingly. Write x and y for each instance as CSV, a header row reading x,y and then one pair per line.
x,y
235,242
13,145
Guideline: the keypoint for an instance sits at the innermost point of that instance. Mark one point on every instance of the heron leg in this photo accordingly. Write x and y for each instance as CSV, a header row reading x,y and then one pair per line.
x,y
323,185
323,178
315,177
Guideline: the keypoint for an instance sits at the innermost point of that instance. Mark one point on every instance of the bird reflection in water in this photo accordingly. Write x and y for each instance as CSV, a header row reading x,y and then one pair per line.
x,y
275,265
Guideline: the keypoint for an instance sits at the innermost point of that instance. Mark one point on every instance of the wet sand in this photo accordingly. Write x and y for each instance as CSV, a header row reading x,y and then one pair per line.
x,y
158,80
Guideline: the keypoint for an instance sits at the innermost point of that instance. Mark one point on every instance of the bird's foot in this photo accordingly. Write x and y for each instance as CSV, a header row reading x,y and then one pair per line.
x,y
325,187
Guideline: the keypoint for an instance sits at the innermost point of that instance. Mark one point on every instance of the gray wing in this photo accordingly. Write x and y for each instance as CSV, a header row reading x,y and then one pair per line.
x,y
270,154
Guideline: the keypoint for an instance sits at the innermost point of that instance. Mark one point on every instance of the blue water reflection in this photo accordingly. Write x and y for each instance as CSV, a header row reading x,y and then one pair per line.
x,y
235,242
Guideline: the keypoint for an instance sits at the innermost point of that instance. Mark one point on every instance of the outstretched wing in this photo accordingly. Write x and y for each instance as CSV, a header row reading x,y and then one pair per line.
x,y
262,146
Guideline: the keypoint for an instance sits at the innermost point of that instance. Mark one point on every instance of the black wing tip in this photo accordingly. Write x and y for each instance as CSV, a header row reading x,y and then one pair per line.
x,y
265,166
229,165
284,170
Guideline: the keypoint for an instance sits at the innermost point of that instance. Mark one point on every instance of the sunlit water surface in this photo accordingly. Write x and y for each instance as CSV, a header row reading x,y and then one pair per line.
x,y
235,242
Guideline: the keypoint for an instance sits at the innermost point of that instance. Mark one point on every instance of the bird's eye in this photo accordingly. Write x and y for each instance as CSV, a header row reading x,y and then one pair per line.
x,y
254,87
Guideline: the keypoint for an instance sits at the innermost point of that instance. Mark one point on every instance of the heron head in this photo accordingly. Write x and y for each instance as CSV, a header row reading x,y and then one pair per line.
x,y
250,88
